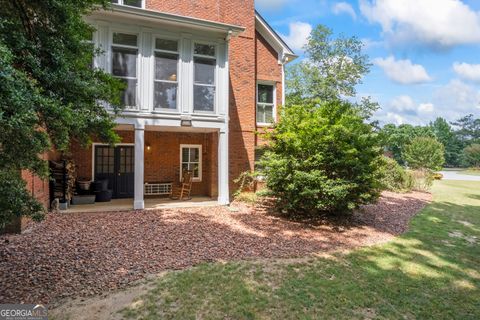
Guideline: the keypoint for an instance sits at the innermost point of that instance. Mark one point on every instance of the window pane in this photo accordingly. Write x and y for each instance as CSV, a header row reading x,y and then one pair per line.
x,y
265,93
185,154
114,1
260,114
165,95
194,152
203,98
204,70
124,62
169,45
184,167
196,171
166,66
128,96
125,39
133,3
268,114
205,49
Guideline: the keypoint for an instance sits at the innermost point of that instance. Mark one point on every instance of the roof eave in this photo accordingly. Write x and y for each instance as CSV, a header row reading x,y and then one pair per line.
x,y
233,30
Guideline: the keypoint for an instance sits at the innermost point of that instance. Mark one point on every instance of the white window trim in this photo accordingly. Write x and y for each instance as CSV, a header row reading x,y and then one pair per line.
x,y
120,2
199,147
136,107
274,109
215,85
179,73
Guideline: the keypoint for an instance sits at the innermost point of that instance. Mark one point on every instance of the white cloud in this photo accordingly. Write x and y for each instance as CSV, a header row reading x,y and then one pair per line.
x,y
343,7
426,108
298,35
434,23
403,71
270,4
403,109
470,72
457,98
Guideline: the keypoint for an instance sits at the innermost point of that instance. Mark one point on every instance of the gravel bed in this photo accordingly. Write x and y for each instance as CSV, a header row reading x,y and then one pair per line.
x,y
84,254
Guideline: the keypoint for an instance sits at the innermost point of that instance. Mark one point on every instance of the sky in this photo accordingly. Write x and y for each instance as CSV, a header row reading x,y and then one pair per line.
x,y
425,54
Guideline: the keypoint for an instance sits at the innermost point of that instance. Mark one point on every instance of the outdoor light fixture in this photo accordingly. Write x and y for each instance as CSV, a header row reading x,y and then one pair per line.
x,y
186,123
149,147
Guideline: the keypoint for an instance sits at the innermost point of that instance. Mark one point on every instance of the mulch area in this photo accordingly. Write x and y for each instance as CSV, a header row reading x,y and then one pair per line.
x,y
84,254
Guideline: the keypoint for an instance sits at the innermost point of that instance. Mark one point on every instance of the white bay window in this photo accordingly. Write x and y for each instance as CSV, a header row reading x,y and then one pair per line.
x,y
124,65
204,86
166,74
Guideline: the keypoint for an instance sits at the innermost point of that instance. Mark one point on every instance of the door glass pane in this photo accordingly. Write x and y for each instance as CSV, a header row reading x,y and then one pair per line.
x,y
129,94
204,70
165,95
204,49
204,98
124,62
166,66
265,93
168,45
125,39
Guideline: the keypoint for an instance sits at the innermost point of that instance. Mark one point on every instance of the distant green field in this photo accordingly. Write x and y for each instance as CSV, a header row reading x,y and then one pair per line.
x,y
431,272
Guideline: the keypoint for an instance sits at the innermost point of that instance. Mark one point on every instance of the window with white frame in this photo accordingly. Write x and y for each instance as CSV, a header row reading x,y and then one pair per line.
x,y
265,103
131,3
166,74
191,160
204,85
124,65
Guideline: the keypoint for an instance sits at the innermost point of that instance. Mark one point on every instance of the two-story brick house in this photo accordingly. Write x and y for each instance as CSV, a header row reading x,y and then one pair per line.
x,y
202,77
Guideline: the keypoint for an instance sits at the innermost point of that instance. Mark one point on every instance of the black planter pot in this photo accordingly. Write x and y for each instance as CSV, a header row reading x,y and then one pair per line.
x,y
100,185
103,196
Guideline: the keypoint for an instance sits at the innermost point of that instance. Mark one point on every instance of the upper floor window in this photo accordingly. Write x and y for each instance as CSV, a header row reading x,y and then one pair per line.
x,y
204,85
131,3
124,65
166,74
265,103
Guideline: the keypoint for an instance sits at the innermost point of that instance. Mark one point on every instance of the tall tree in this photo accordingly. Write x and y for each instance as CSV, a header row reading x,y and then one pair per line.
x,y
394,139
331,70
444,133
49,94
468,129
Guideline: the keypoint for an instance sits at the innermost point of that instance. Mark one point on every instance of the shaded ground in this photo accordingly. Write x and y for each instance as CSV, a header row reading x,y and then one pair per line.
x,y
430,272
85,254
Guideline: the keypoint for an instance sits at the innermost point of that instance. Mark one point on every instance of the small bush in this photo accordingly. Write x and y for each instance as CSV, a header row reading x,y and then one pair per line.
x,y
323,158
422,180
394,177
247,197
437,176
425,153
471,156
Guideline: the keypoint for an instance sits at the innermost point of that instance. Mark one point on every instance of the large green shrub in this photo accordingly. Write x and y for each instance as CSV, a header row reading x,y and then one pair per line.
x,y
394,177
471,156
323,158
424,153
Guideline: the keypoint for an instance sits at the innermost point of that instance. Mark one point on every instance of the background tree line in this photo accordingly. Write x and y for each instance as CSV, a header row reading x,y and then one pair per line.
x,y
461,140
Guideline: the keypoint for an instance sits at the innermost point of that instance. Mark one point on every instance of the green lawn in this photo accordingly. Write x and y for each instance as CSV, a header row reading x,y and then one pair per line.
x,y
431,272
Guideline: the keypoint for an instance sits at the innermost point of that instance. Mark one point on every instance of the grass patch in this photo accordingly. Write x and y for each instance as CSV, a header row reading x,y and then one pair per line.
x,y
431,272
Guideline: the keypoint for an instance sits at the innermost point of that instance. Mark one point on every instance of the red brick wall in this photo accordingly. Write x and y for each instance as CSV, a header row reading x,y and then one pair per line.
x,y
267,69
162,161
37,187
